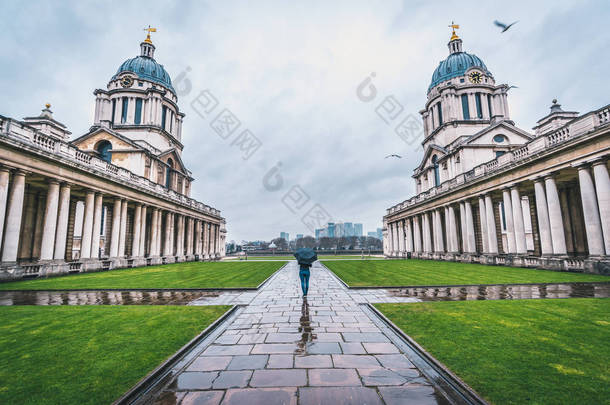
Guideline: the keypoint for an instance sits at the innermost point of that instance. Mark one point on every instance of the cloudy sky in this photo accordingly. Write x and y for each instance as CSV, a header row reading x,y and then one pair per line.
x,y
289,72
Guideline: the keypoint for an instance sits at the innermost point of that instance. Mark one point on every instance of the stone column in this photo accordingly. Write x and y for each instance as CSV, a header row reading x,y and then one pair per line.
x,y
4,181
137,226
453,236
508,217
86,234
61,234
440,244
555,217
49,226
116,228
544,225
427,233
143,231
483,221
409,223
14,211
602,186
470,237
159,231
463,227
123,228
167,251
197,230
520,243
97,226
593,225
401,238
417,234
491,225
189,236
153,232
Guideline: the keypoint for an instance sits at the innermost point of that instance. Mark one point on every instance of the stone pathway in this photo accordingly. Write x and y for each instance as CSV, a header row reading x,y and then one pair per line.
x,y
283,349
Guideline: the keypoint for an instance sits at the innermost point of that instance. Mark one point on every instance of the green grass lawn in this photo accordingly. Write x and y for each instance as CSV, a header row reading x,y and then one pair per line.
x,y
518,352
321,257
89,354
427,272
179,275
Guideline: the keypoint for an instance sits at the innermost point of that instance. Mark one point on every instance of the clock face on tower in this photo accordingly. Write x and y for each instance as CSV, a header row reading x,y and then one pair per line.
x,y
475,77
126,81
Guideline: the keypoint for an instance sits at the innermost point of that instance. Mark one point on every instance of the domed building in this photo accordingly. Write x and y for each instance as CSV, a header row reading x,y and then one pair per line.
x,y
116,196
490,192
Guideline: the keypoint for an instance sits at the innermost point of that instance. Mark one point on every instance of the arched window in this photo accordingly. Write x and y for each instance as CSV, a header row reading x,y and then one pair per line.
x,y
104,149
168,173
437,176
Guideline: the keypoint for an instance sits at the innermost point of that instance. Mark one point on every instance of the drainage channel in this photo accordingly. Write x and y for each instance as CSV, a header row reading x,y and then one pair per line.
x,y
454,389
150,386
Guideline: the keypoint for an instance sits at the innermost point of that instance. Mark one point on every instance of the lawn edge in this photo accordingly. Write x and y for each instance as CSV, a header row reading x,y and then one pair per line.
x,y
371,287
463,389
150,380
156,289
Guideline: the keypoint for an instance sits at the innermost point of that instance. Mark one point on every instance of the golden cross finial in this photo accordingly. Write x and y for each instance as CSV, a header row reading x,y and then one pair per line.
x,y
149,29
454,27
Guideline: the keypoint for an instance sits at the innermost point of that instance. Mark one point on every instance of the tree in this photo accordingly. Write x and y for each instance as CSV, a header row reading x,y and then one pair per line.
x,y
280,243
307,242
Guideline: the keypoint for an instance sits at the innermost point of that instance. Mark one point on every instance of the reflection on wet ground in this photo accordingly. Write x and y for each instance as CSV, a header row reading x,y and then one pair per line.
x,y
505,292
305,328
102,297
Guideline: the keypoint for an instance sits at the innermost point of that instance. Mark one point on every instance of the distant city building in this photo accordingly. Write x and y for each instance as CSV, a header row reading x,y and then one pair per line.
x,y
299,236
330,230
340,229
285,235
380,233
373,235
358,230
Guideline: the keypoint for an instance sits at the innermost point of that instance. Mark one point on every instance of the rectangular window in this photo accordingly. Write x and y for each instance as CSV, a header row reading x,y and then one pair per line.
x,y
465,110
163,116
171,121
432,117
440,113
138,115
113,109
499,153
477,99
489,106
124,112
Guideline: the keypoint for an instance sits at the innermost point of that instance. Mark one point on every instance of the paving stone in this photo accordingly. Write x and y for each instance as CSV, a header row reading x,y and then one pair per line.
x,y
209,363
283,337
365,337
328,337
251,362
352,348
380,376
313,361
202,398
393,361
355,361
380,348
227,340
169,398
194,381
324,348
333,377
409,394
278,378
274,348
232,379
280,361
252,338
215,350
261,396
339,396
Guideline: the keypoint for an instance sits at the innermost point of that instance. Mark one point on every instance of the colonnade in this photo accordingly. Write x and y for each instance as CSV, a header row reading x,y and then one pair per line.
x,y
495,222
39,228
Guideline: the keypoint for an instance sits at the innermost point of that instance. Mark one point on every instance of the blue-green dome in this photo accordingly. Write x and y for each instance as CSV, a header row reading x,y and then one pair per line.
x,y
147,69
456,65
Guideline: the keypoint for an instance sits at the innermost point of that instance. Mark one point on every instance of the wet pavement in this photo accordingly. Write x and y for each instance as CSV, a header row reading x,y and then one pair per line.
x,y
284,349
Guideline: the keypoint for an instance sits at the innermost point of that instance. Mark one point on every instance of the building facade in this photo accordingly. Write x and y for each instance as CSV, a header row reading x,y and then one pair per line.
x,y
489,192
117,196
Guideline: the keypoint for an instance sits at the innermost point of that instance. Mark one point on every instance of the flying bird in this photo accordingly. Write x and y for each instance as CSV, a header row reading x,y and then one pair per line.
x,y
504,26
511,87
394,155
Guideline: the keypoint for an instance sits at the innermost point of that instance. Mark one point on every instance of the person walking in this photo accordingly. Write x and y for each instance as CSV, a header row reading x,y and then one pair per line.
x,y
305,257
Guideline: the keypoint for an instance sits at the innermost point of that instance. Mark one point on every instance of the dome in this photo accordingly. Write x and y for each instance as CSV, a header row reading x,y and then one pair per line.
x,y
146,69
456,65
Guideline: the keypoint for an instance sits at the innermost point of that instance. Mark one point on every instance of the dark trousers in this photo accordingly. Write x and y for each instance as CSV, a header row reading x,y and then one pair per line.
x,y
304,275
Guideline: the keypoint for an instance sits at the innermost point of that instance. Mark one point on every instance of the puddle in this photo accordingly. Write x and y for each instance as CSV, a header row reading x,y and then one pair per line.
x,y
505,292
126,297
305,329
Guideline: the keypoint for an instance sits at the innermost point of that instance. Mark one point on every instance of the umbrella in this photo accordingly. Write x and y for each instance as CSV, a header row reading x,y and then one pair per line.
x,y
306,256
